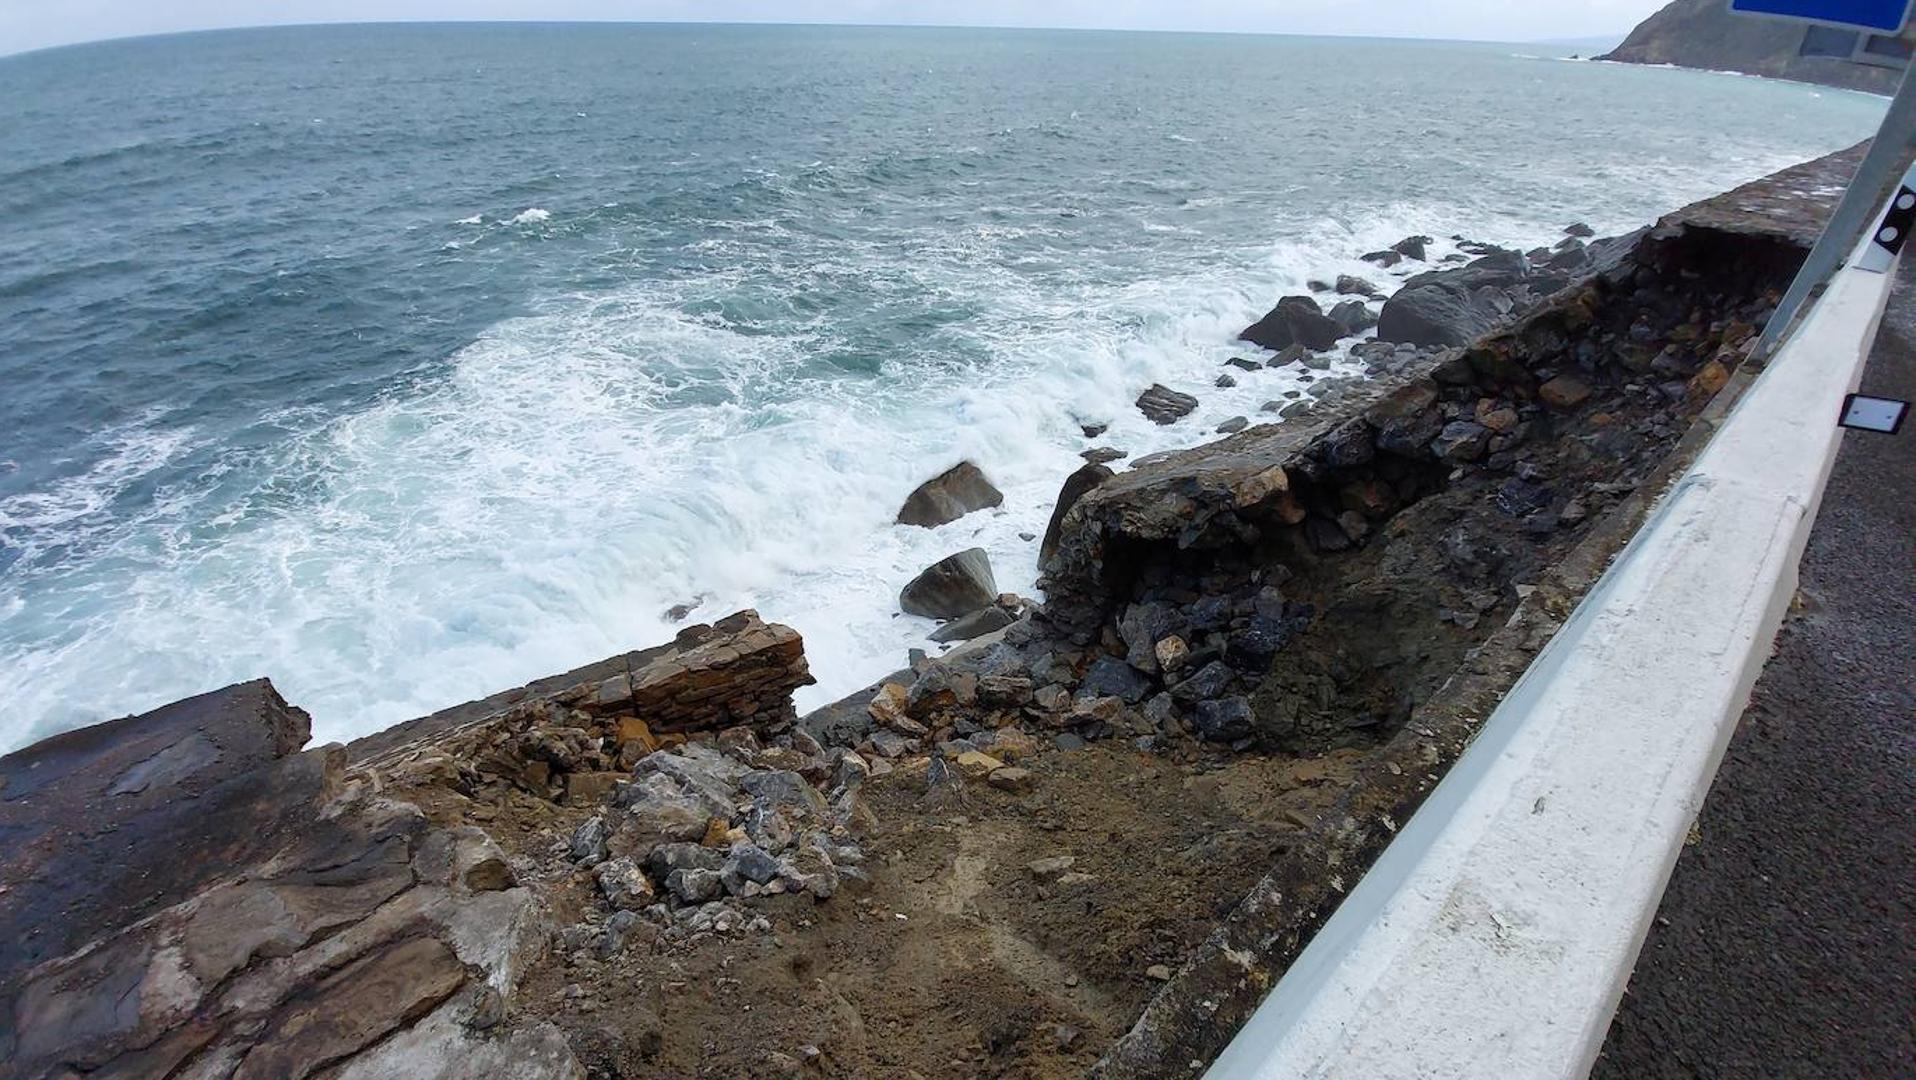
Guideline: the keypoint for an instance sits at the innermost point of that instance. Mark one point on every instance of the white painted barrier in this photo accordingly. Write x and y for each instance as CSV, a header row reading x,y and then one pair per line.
x,y
1495,936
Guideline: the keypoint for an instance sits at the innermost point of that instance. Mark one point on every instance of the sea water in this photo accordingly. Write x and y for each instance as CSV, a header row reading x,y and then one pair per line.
x,y
404,364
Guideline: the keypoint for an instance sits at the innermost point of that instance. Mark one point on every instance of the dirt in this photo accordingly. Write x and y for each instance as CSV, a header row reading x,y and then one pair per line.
x,y
958,961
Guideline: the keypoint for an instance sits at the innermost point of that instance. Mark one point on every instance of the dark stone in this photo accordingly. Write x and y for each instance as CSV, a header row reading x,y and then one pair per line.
x,y
1242,364
1109,676
958,585
1209,682
975,625
1347,285
1225,721
1411,247
950,496
1384,259
1296,320
1461,442
1354,316
1580,230
1162,405
1291,355
1075,487
1252,649
1234,425
1225,382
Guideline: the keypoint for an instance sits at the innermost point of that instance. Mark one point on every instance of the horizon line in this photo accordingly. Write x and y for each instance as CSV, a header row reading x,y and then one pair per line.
x,y
840,24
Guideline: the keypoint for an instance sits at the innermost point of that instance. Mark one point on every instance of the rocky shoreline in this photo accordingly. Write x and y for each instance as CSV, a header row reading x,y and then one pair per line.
x,y
1086,838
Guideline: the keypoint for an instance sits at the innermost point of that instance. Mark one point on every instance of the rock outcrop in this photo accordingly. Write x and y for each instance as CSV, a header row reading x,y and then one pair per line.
x,y
949,496
1705,34
189,895
1163,405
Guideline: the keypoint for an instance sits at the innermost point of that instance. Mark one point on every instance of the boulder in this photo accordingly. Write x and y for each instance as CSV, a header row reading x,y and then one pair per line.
x,y
1075,487
1436,313
1110,677
1411,247
1349,285
1580,231
1386,259
1296,320
949,496
1163,405
955,586
1234,425
1354,316
1224,721
984,621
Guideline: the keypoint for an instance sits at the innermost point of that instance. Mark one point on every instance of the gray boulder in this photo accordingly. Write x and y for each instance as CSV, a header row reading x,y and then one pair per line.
x,y
1349,285
1354,316
975,625
1437,313
1224,721
1109,676
1411,247
1296,320
949,496
955,586
1163,405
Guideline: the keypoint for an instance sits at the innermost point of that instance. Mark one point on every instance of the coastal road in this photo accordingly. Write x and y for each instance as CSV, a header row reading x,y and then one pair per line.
x,y
1786,943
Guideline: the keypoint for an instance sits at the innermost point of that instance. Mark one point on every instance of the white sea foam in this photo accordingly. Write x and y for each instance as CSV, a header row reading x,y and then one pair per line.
x,y
532,217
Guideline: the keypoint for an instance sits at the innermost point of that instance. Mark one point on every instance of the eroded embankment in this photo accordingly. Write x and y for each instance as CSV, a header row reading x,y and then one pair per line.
x,y
1088,841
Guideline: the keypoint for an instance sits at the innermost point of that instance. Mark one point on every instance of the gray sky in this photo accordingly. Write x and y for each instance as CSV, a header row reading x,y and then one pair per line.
x,y
32,24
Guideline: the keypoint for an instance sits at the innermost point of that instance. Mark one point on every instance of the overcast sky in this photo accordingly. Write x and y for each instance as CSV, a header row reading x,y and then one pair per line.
x,y
33,24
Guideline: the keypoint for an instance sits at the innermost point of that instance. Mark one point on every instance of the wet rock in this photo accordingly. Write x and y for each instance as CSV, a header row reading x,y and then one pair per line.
x,y
1162,405
1293,355
955,586
950,496
1092,431
1076,486
1296,320
1354,316
975,625
1104,455
1224,721
1580,230
1385,259
1348,285
1234,425
1242,364
1411,247
1224,382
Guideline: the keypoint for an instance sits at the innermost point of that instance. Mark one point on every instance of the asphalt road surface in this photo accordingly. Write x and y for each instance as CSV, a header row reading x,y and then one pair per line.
x,y
1786,943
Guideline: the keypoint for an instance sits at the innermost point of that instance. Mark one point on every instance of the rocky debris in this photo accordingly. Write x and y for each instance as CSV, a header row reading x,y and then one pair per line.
x,y
949,496
1349,285
1296,320
952,587
1162,405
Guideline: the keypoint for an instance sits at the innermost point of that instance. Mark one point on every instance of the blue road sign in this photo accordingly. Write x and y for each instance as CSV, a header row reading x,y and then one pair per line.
x,y
1881,16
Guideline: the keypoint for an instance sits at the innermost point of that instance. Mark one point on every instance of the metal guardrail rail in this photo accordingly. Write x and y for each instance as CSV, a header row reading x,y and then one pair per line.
x,y
1495,936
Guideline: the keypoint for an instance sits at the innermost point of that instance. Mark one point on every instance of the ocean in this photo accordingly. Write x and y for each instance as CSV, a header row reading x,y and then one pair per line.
x,y
403,364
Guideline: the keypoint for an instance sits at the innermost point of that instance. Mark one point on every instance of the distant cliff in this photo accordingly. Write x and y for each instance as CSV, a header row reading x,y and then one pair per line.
x,y
1704,34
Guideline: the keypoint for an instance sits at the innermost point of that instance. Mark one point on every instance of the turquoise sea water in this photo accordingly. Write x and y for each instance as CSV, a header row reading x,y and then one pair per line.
x,y
403,364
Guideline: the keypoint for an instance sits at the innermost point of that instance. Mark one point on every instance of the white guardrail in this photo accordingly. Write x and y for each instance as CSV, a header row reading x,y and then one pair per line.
x,y
1495,935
